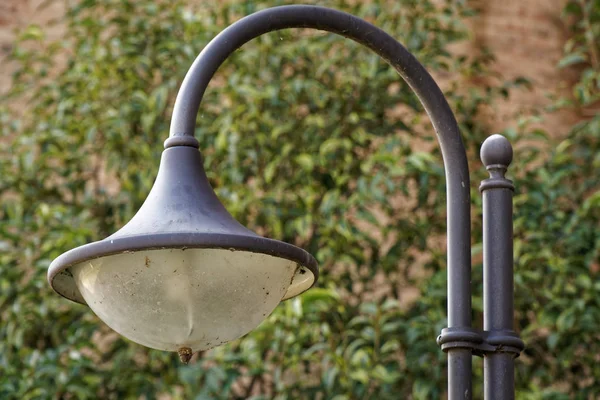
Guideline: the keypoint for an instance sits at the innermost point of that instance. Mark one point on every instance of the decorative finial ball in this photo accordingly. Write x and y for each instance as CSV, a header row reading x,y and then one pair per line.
x,y
495,150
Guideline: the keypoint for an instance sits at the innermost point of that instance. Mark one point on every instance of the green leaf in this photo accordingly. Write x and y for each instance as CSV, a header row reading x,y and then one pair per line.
x,y
360,375
571,59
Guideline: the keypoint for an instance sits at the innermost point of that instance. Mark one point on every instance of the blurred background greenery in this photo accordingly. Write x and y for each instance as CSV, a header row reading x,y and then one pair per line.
x,y
303,146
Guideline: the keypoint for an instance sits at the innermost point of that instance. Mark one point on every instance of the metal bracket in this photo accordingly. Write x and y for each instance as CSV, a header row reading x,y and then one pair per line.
x,y
480,342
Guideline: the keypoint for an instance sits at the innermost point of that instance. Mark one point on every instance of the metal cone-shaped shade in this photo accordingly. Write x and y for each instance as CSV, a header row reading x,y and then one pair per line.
x,y
183,272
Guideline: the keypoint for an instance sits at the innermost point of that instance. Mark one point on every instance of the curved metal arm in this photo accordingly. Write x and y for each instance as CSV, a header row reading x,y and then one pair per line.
x,y
453,151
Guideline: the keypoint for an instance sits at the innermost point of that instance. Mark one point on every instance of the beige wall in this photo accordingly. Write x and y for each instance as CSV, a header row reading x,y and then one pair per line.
x,y
527,38
525,35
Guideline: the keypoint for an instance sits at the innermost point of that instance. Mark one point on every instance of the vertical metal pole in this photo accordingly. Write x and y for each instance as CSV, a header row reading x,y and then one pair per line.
x,y
498,308
459,374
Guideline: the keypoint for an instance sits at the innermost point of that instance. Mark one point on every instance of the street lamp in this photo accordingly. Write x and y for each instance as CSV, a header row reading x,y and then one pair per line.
x,y
183,275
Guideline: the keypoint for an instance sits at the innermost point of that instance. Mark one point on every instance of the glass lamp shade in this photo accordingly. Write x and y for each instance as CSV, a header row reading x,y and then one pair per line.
x,y
183,273
196,298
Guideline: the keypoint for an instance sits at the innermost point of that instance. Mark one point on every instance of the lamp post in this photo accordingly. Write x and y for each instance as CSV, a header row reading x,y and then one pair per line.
x,y
184,276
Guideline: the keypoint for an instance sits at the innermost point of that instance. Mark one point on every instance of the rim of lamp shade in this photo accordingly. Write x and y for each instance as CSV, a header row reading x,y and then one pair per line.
x,y
62,281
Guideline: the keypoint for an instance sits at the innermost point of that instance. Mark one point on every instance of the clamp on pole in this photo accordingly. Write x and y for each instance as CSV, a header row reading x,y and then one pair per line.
x,y
481,343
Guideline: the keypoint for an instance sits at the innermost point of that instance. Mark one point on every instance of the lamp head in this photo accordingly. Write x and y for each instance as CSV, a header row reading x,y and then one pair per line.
x,y
183,273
